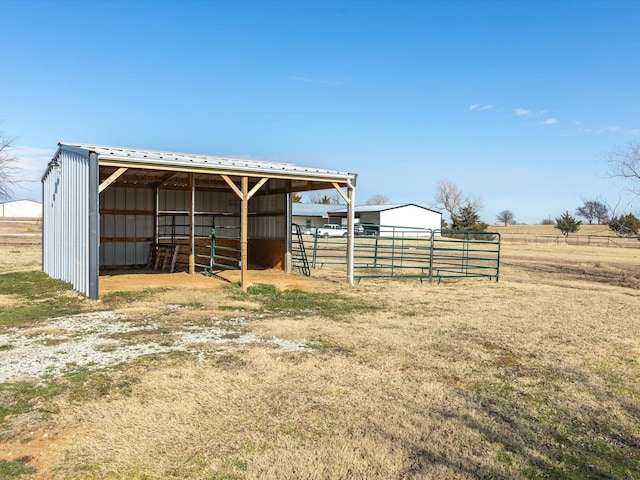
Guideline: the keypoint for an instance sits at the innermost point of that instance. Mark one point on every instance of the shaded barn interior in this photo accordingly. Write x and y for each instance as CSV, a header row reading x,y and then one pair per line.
x,y
144,211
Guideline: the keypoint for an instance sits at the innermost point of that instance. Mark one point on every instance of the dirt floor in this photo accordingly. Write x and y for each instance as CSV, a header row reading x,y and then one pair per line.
x,y
143,279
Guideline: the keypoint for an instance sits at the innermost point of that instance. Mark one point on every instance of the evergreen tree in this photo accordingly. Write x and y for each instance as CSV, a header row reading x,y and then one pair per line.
x,y
625,225
567,224
468,218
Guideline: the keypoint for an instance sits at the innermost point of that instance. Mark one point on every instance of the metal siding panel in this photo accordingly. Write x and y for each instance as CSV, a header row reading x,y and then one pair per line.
x,y
119,254
108,225
271,227
47,211
109,253
145,199
130,253
121,200
163,198
129,225
183,200
65,231
202,201
166,199
141,228
107,198
142,252
119,226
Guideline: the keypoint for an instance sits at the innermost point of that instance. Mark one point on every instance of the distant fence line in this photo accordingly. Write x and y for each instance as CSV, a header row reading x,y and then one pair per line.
x,y
587,240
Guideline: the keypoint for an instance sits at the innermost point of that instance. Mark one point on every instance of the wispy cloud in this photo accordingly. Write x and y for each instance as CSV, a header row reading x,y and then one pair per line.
x,y
32,161
297,78
609,129
480,107
549,121
522,112
618,129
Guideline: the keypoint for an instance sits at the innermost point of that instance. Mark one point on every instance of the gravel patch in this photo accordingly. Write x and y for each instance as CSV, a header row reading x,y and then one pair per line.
x,y
76,342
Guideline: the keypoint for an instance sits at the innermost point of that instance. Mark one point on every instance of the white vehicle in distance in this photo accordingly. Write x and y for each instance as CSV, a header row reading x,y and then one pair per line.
x,y
331,230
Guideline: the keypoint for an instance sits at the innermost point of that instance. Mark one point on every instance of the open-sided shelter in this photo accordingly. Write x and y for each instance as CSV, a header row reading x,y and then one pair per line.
x,y
114,207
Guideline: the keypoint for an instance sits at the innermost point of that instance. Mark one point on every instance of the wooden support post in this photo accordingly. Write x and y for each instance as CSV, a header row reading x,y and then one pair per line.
x,y
244,195
288,256
156,209
244,215
351,201
192,209
350,198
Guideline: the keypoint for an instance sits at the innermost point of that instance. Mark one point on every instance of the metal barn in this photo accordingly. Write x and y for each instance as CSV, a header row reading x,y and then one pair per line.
x,y
392,219
110,207
21,209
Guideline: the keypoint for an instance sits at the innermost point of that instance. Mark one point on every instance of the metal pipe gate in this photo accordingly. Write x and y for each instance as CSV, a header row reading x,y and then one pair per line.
x,y
408,252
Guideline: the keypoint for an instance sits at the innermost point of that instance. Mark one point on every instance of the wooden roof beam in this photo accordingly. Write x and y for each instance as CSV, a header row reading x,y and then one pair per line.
x,y
112,178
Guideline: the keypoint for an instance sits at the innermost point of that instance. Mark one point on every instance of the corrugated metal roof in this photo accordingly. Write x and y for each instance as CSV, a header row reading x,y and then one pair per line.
x,y
311,209
141,157
381,208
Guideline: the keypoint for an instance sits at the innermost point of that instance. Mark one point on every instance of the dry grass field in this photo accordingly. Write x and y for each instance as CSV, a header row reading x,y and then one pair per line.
x,y
535,376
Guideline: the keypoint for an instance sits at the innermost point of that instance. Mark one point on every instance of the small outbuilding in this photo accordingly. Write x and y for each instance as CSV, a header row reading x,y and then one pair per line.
x,y
311,215
111,207
21,209
395,219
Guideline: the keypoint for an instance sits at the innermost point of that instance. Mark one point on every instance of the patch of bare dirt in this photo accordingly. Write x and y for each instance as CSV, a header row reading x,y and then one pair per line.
x,y
41,448
143,279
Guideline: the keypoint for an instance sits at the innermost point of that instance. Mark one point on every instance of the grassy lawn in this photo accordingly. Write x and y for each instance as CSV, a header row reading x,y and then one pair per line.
x,y
536,376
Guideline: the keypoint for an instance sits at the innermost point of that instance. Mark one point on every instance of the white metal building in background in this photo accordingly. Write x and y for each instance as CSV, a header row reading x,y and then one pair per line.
x,y
106,206
311,215
21,209
396,219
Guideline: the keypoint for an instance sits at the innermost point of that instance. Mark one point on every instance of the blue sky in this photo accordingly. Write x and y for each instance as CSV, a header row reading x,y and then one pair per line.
x,y
516,102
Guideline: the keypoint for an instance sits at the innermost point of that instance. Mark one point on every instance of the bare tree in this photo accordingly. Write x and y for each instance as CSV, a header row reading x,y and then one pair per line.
x,y
8,166
624,162
593,210
377,199
451,198
507,217
325,199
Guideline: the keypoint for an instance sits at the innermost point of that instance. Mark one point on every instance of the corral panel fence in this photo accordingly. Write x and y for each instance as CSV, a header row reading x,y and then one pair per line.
x,y
465,253
391,251
573,239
